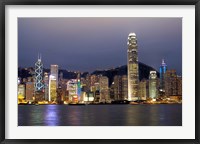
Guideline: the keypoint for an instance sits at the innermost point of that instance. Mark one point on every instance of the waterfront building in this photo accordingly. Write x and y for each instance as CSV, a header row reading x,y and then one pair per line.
x,y
133,72
173,83
63,85
124,87
78,86
59,95
39,96
52,88
89,97
153,85
21,91
179,85
29,91
39,75
163,69
46,86
104,89
120,86
54,73
143,89
72,90
117,87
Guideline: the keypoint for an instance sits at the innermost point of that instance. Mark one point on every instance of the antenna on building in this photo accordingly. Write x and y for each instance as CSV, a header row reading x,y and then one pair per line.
x,y
41,57
163,61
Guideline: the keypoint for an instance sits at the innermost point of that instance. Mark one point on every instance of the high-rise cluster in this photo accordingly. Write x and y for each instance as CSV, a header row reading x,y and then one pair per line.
x,y
52,87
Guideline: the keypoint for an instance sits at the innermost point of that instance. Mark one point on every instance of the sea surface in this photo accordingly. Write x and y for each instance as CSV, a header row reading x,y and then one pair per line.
x,y
100,115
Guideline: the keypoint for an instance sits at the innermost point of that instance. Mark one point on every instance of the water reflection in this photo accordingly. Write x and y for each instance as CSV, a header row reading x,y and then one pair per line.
x,y
51,115
100,115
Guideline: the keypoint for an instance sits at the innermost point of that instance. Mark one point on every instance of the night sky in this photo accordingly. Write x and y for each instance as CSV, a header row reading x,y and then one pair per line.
x,y
87,44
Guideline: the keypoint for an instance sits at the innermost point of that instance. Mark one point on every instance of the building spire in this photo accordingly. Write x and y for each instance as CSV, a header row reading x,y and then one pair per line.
x,y
41,57
163,61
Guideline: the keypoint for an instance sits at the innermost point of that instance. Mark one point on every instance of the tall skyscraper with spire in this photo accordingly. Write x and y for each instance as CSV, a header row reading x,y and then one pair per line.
x,y
132,64
163,69
39,74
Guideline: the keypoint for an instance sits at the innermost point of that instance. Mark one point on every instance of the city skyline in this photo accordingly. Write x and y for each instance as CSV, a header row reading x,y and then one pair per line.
x,y
87,44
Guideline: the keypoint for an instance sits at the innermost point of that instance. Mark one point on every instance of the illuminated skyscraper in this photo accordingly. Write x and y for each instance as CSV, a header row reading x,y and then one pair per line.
x,y
163,69
72,90
173,83
54,72
133,73
79,86
29,91
143,89
21,91
120,86
46,86
39,74
52,88
104,90
153,85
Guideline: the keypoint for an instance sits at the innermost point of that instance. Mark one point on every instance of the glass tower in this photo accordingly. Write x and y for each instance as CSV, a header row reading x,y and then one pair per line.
x,y
163,69
39,74
54,73
133,74
153,85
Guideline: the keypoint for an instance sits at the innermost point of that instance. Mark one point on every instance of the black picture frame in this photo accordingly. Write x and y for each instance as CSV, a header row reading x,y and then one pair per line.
x,y
3,4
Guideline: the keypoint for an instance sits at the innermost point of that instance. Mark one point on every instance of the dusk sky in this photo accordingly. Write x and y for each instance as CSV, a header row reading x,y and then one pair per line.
x,y
87,44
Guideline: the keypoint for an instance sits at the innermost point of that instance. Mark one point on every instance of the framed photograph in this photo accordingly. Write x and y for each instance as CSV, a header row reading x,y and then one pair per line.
x,y
99,71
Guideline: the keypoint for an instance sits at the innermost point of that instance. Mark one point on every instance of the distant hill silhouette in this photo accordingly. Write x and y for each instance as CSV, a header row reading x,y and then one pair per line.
x,y
110,73
122,70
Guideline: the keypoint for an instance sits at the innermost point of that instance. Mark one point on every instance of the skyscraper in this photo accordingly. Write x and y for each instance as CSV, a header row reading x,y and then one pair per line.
x,y
120,86
163,69
79,86
29,91
54,72
133,73
52,88
104,90
39,74
171,83
46,86
143,89
153,85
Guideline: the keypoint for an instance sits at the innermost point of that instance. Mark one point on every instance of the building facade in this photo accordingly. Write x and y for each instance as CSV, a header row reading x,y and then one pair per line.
x,y
29,91
104,89
46,86
39,75
120,87
153,92
143,89
133,71
72,90
162,69
52,88
54,73
173,83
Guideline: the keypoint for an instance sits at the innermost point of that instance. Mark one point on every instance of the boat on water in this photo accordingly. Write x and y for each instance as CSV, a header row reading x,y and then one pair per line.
x,y
76,104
